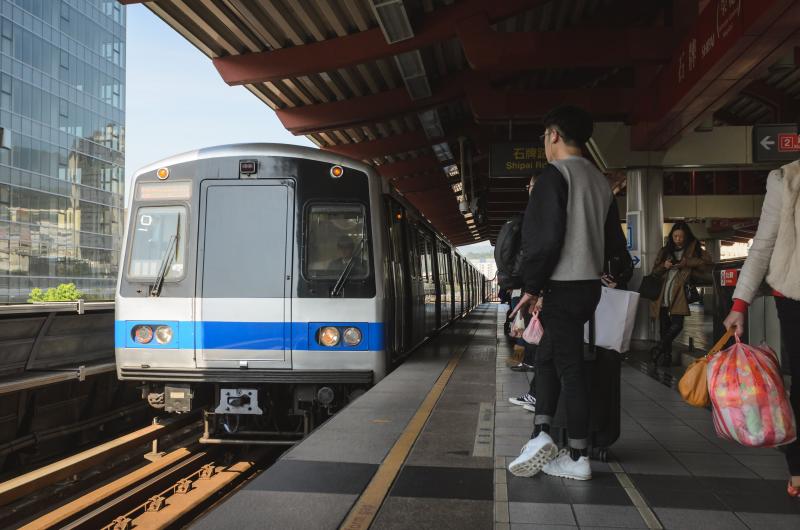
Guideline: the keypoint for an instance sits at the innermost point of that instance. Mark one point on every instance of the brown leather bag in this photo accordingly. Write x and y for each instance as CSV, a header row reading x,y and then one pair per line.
x,y
693,386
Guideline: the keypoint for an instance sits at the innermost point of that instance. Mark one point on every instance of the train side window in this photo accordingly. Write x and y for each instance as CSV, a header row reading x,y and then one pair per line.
x,y
153,234
336,234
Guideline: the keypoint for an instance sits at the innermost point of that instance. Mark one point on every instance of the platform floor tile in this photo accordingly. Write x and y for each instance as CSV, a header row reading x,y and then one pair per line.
x,y
251,509
403,513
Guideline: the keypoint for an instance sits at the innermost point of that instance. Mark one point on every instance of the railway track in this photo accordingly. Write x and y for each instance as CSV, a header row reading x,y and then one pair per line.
x,y
171,489
174,488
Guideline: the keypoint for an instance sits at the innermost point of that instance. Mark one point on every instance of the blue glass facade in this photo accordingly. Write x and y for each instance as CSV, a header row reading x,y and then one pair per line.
x,y
62,117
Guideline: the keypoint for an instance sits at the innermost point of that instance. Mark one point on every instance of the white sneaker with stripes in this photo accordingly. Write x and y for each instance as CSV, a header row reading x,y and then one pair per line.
x,y
524,399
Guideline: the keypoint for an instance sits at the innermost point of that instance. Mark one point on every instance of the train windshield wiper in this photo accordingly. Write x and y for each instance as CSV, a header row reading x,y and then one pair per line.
x,y
165,261
339,285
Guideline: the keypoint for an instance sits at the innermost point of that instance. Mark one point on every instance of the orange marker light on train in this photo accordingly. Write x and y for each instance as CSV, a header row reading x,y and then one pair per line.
x,y
337,171
162,173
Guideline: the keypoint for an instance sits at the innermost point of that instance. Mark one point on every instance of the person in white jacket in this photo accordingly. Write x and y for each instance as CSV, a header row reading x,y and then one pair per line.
x,y
775,256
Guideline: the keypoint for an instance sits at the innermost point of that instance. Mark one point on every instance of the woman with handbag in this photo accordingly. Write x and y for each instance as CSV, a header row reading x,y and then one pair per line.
x,y
675,264
775,256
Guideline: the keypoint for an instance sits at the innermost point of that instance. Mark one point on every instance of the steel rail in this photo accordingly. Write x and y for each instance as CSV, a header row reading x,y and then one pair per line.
x,y
132,498
73,509
29,482
163,512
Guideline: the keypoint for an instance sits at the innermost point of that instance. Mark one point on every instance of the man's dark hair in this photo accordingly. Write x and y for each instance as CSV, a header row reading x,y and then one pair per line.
x,y
573,123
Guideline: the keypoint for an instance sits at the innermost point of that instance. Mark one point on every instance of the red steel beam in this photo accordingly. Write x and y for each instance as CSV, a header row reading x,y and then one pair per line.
x,y
730,45
358,48
398,143
368,109
493,105
403,142
493,51
487,104
409,167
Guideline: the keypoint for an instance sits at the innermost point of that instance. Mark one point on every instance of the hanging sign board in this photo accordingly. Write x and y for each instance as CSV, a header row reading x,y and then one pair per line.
x,y
517,159
776,143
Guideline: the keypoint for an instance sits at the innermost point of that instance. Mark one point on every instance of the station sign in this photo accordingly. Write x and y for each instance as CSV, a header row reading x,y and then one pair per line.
x,y
776,143
517,159
729,277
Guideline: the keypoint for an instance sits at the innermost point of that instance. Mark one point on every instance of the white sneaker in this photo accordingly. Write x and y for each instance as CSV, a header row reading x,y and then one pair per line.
x,y
534,455
565,467
524,399
530,408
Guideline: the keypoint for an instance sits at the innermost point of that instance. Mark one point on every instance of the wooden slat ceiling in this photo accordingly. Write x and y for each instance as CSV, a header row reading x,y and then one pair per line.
x,y
326,69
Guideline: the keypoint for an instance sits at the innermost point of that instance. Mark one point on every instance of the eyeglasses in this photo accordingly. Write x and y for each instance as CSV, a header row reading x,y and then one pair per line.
x,y
543,135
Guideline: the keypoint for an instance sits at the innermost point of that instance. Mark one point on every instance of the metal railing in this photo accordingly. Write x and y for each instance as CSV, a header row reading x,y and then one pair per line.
x,y
55,341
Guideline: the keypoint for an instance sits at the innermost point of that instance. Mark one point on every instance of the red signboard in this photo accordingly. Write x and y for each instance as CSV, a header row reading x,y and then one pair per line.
x,y
788,143
729,277
718,30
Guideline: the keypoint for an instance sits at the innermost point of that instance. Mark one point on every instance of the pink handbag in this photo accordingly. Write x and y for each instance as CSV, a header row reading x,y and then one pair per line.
x,y
533,333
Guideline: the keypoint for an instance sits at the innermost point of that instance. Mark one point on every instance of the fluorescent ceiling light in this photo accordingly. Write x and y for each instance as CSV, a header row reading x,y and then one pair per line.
x,y
431,124
410,64
442,152
393,19
418,87
451,170
457,188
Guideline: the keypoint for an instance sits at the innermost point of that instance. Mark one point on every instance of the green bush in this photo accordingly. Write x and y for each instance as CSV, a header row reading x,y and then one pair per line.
x,y
66,292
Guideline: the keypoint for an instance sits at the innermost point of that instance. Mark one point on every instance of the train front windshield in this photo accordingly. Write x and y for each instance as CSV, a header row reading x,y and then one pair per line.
x,y
336,236
158,237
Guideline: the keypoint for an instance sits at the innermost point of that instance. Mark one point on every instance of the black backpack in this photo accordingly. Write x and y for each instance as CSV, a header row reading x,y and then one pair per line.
x,y
508,254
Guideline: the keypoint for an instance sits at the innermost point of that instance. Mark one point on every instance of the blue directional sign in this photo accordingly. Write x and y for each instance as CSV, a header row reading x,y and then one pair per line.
x,y
636,261
633,231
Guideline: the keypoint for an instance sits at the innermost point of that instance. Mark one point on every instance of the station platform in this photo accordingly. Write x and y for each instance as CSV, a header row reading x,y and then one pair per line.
x,y
428,447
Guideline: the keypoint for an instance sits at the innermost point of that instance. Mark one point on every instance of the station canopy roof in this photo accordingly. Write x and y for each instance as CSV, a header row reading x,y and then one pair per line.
x,y
426,90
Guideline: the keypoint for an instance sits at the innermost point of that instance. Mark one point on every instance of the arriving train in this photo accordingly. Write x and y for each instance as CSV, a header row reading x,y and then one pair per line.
x,y
271,284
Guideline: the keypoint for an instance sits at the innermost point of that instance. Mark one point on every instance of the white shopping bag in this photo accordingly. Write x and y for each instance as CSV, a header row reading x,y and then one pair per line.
x,y
614,319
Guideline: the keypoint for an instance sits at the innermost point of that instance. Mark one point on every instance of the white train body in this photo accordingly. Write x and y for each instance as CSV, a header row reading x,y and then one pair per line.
x,y
256,266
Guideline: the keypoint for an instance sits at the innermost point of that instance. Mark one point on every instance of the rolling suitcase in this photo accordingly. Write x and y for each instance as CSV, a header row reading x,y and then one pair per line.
x,y
603,374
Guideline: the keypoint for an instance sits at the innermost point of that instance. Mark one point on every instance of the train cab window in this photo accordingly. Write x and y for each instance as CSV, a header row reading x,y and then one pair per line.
x,y
336,234
159,237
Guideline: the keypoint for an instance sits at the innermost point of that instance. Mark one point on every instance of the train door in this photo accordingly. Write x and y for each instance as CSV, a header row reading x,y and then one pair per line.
x,y
400,289
243,305
445,282
437,282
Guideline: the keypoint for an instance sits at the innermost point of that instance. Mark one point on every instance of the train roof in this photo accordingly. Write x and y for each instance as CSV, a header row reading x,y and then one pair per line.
x,y
258,149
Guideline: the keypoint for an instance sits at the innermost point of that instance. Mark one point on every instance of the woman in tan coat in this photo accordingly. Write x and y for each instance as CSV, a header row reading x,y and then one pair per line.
x,y
675,264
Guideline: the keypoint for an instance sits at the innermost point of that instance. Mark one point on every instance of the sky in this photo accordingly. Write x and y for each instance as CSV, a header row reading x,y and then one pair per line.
x,y
176,101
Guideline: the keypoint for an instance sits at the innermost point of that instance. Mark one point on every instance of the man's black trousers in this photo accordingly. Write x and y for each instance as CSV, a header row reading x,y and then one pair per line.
x,y
559,358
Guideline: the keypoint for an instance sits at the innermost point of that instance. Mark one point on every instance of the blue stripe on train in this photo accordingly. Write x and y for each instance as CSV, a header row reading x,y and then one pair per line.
x,y
248,335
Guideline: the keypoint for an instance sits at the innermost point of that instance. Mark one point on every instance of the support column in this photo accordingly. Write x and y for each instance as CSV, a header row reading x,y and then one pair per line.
x,y
645,191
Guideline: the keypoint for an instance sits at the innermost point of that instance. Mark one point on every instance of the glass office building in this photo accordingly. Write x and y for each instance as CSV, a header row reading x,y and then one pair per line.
x,y
62,117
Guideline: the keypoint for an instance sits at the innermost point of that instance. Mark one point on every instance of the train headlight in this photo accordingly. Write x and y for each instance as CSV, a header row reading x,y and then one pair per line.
x,y
352,336
163,334
329,336
142,334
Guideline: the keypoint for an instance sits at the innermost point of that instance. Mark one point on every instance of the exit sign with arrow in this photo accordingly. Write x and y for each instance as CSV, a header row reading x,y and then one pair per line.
x,y
776,143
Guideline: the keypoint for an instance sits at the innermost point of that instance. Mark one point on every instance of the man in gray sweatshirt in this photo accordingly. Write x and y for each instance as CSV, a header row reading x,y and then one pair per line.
x,y
571,224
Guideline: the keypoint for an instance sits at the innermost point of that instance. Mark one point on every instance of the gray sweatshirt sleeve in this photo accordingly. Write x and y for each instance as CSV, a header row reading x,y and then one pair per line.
x,y
757,263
